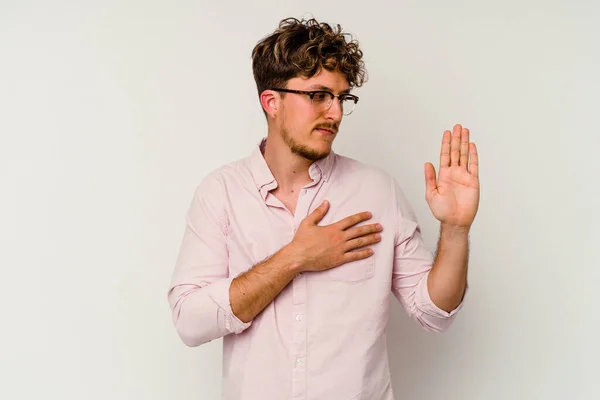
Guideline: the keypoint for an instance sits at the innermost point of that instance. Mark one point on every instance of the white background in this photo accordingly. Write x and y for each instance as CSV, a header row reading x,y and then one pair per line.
x,y
111,113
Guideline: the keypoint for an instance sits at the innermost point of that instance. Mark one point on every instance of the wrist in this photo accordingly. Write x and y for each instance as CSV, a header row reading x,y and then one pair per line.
x,y
454,230
294,264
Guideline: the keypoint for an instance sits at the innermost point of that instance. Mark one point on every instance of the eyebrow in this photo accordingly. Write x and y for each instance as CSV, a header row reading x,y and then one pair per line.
x,y
321,87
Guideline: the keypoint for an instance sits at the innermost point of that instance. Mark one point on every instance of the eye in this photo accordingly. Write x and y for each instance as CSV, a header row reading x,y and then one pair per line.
x,y
320,96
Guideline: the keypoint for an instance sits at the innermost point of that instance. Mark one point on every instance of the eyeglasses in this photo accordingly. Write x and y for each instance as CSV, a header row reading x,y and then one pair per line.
x,y
322,100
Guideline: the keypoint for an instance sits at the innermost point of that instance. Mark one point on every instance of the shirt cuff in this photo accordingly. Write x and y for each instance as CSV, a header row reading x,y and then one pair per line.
x,y
219,293
428,306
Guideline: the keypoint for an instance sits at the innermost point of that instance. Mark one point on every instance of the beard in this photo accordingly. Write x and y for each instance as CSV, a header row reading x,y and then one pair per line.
x,y
302,150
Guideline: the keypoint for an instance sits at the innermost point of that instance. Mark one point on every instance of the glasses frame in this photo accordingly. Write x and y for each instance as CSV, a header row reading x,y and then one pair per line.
x,y
312,93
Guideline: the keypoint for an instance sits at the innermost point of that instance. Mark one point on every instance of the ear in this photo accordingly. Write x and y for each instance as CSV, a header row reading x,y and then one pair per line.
x,y
269,102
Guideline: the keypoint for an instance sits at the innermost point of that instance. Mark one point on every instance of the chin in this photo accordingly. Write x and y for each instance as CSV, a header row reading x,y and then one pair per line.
x,y
325,145
313,153
322,151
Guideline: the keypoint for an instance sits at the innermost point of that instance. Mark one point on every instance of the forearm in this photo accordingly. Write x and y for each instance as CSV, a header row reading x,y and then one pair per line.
x,y
255,289
447,280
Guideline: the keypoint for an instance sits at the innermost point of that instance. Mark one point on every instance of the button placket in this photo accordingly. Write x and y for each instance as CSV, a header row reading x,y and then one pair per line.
x,y
299,294
299,313
299,338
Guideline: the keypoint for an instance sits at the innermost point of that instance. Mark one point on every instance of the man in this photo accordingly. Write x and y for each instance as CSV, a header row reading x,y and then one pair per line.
x,y
291,254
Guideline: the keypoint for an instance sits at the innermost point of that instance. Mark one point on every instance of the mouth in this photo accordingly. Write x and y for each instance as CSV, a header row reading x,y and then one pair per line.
x,y
325,131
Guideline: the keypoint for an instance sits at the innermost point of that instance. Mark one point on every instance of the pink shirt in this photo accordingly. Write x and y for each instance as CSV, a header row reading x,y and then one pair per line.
x,y
323,336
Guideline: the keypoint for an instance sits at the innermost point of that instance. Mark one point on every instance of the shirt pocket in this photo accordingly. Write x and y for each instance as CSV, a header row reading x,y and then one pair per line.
x,y
354,271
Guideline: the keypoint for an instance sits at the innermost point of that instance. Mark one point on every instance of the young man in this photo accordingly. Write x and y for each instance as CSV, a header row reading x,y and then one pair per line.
x,y
291,254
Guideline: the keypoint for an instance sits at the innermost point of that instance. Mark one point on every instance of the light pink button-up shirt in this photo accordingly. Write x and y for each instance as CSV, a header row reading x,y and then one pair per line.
x,y
323,337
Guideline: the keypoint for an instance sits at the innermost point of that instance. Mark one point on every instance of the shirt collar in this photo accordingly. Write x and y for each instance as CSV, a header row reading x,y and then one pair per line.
x,y
264,179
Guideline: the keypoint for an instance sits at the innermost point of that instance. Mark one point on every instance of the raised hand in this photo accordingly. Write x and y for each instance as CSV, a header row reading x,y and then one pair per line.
x,y
318,248
454,197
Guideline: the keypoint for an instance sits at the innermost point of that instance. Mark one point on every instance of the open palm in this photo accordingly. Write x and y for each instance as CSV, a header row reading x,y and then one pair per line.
x,y
454,197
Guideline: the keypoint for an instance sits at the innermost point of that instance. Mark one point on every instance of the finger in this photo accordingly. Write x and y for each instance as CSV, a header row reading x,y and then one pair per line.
x,y
357,255
353,220
455,145
363,241
464,147
362,231
430,184
445,152
318,213
474,162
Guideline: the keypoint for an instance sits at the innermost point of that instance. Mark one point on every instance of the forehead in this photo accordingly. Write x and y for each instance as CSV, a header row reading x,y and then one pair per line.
x,y
333,81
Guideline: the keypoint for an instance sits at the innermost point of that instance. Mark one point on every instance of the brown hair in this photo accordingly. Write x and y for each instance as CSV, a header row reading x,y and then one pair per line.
x,y
302,48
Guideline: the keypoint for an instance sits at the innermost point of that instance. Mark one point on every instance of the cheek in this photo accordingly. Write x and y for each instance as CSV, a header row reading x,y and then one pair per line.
x,y
299,125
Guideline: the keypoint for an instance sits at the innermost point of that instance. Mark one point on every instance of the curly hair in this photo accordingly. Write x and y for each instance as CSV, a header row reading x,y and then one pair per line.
x,y
303,48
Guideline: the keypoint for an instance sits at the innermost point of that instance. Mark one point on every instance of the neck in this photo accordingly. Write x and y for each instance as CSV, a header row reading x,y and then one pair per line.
x,y
289,169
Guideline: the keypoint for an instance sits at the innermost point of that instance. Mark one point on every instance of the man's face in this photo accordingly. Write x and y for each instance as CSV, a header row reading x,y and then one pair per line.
x,y
308,131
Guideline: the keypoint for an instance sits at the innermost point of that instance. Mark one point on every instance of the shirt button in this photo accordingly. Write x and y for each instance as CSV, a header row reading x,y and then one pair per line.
x,y
299,318
299,362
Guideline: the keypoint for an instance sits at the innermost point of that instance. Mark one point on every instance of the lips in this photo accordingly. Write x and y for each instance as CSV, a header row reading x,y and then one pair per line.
x,y
325,130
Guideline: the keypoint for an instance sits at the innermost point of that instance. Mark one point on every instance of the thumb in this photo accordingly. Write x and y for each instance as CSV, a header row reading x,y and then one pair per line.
x,y
318,213
430,184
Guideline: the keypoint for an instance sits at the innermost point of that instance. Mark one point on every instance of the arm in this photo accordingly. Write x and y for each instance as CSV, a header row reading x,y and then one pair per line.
x,y
412,270
453,199
252,291
199,292
447,281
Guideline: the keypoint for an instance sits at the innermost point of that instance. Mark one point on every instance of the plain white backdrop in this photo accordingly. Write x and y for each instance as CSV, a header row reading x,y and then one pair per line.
x,y
111,113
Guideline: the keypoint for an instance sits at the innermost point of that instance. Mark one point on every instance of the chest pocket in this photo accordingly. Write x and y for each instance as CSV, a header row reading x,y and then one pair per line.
x,y
354,271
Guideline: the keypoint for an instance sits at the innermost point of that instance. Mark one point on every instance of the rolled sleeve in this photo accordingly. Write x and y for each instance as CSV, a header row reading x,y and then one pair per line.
x,y
425,304
219,293
428,314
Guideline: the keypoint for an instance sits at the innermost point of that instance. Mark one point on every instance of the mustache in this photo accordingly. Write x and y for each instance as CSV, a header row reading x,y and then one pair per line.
x,y
330,127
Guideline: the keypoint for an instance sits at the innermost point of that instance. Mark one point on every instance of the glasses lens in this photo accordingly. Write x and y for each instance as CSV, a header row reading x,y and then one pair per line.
x,y
348,105
322,101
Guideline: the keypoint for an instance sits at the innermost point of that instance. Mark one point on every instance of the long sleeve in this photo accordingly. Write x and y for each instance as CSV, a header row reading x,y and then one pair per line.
x,y
199,292
412,263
